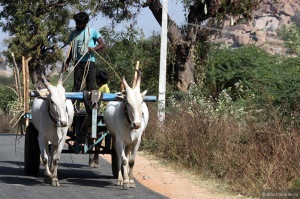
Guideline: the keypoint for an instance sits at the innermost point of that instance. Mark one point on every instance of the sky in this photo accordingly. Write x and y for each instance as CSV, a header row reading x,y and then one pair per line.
x,y
146,21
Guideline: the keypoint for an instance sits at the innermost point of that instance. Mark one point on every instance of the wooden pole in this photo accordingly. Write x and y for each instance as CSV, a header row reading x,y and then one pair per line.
x,y
16,82
26,88
23,78
17,77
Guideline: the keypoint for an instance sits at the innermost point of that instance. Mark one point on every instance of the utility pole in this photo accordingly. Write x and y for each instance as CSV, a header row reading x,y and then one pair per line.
x,y
163,63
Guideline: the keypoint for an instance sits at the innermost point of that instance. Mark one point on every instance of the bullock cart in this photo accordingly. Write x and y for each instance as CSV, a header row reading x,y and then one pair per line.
x,y
87,135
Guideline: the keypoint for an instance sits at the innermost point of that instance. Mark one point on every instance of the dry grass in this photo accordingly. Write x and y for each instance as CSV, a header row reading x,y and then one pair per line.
x,y
5,126
248,157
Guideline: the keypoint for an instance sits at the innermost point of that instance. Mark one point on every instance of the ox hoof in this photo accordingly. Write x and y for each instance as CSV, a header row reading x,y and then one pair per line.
x,y
125,185
131,185
55,182
119,183
94,164
91,163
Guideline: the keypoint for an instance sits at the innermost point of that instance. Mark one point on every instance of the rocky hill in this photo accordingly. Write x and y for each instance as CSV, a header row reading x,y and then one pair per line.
x,y
263,29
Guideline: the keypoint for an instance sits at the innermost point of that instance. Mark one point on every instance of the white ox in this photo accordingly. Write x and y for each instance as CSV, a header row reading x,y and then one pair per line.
x,y
126,120
52,116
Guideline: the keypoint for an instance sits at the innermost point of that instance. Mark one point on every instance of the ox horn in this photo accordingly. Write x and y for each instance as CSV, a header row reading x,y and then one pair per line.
x,y
136,74
47,84
45,81
61,74
125,83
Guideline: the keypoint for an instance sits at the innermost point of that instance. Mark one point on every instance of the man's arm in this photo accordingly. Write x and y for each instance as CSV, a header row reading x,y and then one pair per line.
x,y
100,44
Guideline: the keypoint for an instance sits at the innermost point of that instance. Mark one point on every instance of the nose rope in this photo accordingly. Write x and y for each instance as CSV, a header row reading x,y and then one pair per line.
x,y
55,118
74,67
107,64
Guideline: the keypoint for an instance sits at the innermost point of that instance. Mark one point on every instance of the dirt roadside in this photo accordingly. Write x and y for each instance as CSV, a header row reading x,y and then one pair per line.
x,y
163,179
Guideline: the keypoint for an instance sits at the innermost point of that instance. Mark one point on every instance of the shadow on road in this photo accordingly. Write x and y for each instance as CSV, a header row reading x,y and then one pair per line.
x,y
68,173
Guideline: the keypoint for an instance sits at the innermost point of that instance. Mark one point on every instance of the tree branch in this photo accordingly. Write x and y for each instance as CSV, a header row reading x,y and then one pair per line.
x,y
174,33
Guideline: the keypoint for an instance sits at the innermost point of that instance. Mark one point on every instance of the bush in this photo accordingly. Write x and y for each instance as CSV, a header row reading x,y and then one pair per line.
x,y
254,78
250,156
7,95
240,127
122,52
4,121
291,37
9,81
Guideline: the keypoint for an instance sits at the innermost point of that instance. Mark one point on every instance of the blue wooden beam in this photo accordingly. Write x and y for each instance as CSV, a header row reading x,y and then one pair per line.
x,y
106,96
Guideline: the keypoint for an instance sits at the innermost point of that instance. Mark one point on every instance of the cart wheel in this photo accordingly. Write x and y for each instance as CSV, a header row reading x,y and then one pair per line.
x,y
114,163
32,152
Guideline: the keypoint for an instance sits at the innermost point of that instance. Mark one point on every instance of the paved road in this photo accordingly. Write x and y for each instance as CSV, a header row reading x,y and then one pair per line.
x,y
77,180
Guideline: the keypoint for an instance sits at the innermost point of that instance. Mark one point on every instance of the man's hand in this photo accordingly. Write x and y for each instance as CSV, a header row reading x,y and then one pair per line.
x,y
66,66
91,49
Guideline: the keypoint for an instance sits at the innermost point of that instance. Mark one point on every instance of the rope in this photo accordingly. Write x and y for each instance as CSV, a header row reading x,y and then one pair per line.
x,y
88,66
107,64
86,69
85,72
74,66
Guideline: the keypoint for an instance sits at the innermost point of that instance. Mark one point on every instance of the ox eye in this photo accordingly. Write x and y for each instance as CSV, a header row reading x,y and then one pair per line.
x,y
51,102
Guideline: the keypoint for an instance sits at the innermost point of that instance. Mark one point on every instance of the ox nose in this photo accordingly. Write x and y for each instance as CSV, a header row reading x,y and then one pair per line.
x,y
62,123
136,125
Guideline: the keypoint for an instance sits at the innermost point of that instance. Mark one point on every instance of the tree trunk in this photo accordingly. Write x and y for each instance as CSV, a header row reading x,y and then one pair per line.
x,y
185,47
35,71
184,66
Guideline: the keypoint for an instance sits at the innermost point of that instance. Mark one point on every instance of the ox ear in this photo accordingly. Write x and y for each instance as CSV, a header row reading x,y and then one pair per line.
x,y
144,93
120,96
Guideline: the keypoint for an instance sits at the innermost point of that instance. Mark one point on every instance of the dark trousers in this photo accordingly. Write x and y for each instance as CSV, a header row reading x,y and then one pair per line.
x,y
90,78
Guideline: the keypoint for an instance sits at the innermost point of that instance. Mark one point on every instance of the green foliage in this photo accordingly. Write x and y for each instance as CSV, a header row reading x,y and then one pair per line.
x,y
223,8
7,95
68,80
118,10
123,50
291,37
9,81
36,28
265,79
226,67
184,38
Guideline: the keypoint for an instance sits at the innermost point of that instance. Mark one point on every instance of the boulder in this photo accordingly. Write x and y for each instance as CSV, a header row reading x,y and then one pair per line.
x,y
267,20
288,10
4,73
